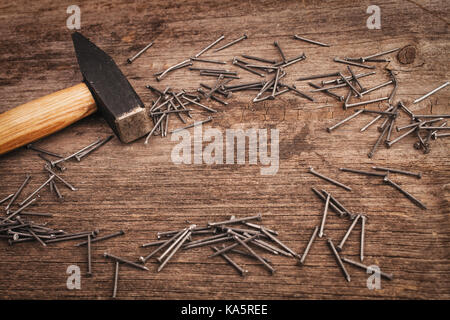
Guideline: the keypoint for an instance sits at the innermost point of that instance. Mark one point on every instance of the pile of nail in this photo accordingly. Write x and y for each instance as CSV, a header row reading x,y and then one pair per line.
x,y
169,102
220,232
341,211
419,123
17,230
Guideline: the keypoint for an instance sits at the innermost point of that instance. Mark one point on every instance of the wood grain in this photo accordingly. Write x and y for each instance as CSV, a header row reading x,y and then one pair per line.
x,y
46,115
137,188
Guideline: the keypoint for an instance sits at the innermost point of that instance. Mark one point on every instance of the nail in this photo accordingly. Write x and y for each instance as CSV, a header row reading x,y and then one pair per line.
x,y
24,183
258,59
394,90
353,63
199,104
215,74
32,147
95,147
243,272
390,143
294,88
442,135
153,89
208,61
6,198
154,243
53,163
58,166
162,246
362,103
182,64
375,120
209,46
37,190
290,62
407,194
68,185
224,92
220,223
231,43
339,80
154,127
18,210
329,129
258,227
242,243
66,237
363,232
360,265
377,143
118,259
244,253
55,187
180,243
350,85
409,173
318,76
355,79
338,259
308,246
337,183
232,246
382,85
130,60
277,45
431,92
116,280
334,202
311,41
324,216
196,123
97,239
347,234
237,64
368,173
207,242
89,273
281,244
275,85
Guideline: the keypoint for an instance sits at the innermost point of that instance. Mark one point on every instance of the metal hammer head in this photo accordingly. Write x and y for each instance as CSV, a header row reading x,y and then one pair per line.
x,y
115,97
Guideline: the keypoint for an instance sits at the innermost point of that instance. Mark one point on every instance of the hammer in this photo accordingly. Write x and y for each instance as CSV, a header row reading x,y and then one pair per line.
x,y
104,88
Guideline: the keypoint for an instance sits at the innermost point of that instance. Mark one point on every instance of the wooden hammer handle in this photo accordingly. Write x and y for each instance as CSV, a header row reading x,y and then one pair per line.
x,y
44,116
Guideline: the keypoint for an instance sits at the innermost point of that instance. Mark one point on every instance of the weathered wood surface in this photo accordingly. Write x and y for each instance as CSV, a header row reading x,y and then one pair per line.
x,y
137,188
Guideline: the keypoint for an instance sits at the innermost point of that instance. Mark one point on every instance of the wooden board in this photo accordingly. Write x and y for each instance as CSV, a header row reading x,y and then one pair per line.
x,y
137,188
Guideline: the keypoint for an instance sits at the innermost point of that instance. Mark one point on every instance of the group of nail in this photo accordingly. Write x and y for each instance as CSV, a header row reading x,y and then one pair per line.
x,y
431,125
382,172
240,236
337,206
16,230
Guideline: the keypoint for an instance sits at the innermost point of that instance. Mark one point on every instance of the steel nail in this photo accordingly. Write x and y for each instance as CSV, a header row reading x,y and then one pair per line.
x,y
338,259
329,129
242,243
311,41
24,183
130,60
243,272
431,92
406,193
347,234
324,216
116,279
231,43
209,46
116,258
337,183
175,249
308,246
362,266
363,232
